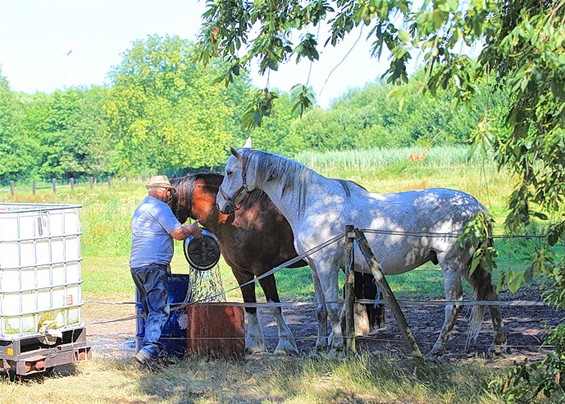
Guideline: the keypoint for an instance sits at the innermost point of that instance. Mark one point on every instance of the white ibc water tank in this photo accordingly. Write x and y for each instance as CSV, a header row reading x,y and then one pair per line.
x,y
40,275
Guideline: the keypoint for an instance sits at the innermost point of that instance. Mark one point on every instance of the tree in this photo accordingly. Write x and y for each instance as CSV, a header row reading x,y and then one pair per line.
x,y
16,151
164,112
367,118
71,127
522,52
275,133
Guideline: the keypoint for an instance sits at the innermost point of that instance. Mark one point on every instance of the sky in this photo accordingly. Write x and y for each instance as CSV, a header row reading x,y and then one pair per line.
x,y
47,45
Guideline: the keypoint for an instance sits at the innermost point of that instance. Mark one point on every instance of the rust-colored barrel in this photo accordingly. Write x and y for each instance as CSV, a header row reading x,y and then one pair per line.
x,y
216,329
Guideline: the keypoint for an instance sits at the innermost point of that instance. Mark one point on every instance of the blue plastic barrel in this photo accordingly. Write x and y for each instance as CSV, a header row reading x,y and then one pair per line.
x,y
174,335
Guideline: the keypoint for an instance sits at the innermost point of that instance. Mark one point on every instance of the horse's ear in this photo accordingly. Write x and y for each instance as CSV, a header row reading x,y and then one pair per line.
x,y
247,144
235,152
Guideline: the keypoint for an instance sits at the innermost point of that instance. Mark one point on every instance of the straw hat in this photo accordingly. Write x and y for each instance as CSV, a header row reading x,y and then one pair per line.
x,y
159,181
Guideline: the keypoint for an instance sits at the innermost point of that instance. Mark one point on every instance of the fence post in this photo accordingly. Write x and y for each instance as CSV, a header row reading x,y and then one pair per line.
x,y
91,182
54,185
33,187
12,190
387,293
72,182
349,292
109,181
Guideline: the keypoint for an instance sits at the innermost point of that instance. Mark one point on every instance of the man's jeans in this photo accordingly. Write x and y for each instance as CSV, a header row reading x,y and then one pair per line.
x,y
153,286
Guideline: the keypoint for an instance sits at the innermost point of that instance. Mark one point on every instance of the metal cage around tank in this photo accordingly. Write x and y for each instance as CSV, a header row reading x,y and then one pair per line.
x,y
40,287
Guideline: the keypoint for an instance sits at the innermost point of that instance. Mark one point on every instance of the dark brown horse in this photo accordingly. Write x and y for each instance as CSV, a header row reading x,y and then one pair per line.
x,y
253,240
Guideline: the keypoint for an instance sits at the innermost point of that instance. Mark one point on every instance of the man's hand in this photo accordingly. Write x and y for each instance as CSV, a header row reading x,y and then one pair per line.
x,y
195,230
185,232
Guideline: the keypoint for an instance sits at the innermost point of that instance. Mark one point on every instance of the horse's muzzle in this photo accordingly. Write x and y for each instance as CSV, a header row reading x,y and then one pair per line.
x,y
227,207
226,204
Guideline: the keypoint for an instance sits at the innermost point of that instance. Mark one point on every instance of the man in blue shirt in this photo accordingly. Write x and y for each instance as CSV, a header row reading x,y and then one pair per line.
x,y
154,226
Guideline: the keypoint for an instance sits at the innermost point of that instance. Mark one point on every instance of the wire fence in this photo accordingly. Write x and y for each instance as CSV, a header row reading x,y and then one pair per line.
x,y
537,345
56,184
403,302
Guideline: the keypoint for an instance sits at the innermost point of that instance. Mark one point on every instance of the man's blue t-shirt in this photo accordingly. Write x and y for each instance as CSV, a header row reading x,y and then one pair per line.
x,y
151,242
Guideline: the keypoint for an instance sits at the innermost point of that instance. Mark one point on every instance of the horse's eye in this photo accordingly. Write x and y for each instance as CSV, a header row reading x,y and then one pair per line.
x,y
228,172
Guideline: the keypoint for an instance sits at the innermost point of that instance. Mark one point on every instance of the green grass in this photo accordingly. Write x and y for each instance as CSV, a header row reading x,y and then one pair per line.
x,y
356,379
107,279
377,160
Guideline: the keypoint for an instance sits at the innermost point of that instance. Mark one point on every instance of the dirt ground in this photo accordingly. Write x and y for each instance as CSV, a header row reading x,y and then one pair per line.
x,y
525,325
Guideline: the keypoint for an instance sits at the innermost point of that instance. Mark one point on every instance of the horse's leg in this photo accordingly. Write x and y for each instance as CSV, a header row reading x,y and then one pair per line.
x,y
328,277
453,292
286,345
254,339
481,281
499,345
376,312
321,313
360,311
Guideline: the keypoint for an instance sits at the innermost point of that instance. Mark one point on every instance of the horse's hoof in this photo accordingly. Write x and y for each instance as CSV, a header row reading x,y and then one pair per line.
x,y
331,355
280,353
334,354
313,355
254,349
286,351
321,350
322,347
498,350
286,346
434,356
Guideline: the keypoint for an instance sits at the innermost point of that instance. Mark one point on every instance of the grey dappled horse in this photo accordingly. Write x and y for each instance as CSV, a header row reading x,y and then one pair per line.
x,y
319,208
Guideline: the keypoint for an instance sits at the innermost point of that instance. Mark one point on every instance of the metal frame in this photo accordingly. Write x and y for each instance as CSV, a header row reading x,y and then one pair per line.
x,y
27,355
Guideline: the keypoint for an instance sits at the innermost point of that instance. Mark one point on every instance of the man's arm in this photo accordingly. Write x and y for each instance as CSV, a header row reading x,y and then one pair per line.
x,y
184,232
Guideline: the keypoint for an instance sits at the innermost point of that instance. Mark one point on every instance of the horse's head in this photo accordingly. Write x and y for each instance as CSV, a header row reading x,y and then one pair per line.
x,y
204,191
236,184
196,197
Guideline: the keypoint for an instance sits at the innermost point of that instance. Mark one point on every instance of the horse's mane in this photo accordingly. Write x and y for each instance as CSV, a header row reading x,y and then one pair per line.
x,y
291,174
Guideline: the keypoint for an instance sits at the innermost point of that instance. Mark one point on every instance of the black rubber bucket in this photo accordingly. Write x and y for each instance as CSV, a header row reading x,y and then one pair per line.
x,y
202,253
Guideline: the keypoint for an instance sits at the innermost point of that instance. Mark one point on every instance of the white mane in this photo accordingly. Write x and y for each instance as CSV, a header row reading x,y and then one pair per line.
x,y
291,175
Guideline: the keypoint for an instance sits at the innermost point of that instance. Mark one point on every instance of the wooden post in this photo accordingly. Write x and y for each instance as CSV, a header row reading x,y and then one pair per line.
x,y
387,293
12,190
349,293
72,182
33,187
54,185
91,182
109,182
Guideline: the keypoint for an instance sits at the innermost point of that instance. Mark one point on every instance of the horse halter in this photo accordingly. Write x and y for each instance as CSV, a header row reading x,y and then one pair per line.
x,y
242,188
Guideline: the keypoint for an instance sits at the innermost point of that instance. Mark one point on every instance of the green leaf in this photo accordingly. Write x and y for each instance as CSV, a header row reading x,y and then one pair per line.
x,y
403,35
